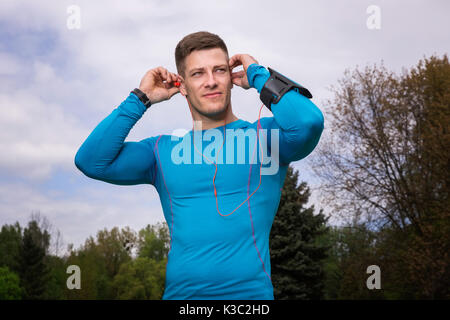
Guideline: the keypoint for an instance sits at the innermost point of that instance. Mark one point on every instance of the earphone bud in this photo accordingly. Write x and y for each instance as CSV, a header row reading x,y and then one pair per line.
x,y
176,84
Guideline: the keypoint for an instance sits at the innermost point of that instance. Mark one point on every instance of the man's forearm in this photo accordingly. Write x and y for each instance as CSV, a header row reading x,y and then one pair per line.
x,y
301,122
105,142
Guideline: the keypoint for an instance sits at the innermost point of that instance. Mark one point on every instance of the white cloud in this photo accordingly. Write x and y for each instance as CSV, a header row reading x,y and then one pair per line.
x,y
9,65
36,136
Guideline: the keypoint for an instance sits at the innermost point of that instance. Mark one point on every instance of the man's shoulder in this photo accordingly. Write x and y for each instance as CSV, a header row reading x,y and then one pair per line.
x,y
264,123
167,139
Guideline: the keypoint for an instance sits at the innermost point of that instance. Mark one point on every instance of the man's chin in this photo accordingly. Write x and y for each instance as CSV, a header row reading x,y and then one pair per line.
x,y
213,110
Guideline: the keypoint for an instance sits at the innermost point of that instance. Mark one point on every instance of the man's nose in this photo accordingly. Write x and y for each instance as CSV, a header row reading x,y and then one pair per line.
x,y
211,80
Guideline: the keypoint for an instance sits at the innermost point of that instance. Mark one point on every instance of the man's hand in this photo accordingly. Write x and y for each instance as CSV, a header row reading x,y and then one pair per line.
x,y
158,84
240,78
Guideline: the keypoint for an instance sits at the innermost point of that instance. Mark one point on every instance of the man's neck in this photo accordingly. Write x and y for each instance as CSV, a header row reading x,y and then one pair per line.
x,y
204,123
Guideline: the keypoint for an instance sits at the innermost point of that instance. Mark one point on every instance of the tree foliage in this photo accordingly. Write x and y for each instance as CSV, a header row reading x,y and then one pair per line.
x,y
10,288
385,163
33,270
122,264
296,257
140,279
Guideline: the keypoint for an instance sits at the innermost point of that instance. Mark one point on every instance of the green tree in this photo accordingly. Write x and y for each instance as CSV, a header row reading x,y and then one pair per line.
x,y
10,243
100,260
56,285
357,248
296,255
9,285
141,278
113,247
34,273
95,282
391,247
153,242
332,264
18,248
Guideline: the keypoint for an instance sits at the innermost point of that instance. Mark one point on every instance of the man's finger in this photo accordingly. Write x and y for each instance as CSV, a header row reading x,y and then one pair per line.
x,y
238,74
159,76
162,72
173,91
173,77
235,61
231,61
237,81
167,76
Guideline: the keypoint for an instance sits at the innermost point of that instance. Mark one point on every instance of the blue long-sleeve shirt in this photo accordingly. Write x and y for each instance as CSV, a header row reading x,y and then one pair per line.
x,y
211,256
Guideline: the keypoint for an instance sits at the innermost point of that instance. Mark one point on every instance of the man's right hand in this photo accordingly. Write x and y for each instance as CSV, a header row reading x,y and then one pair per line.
x,y
158,84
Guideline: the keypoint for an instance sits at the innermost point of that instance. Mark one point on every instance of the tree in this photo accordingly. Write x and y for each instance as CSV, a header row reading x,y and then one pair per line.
x,y
142,278
10,243
356,250
296,257
34,273
95,283
113,247
17,250
56,285
332,264
9,285
100,260
153,242
386,162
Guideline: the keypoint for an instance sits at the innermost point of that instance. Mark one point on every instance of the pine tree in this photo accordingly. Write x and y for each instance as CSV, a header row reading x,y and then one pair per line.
x,y
34,273
296,256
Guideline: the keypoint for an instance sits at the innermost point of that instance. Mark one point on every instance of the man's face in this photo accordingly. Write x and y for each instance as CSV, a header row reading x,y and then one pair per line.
x,y
207,81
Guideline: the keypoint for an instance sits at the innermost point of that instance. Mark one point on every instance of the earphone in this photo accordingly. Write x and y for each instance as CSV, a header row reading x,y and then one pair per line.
x,y
177,84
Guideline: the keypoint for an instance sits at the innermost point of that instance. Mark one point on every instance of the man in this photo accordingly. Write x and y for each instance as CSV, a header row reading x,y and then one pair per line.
x,y
219,212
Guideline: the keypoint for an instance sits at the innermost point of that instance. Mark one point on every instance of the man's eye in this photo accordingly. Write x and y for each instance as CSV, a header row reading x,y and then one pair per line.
x,y
221,70
196,73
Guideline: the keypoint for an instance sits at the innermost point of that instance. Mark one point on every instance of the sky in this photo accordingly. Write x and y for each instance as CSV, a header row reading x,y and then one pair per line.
x,y
66,65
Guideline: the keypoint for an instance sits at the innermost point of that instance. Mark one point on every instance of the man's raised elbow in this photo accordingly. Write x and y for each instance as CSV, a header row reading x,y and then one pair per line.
x,y
314,121
81,164
317,124
315,132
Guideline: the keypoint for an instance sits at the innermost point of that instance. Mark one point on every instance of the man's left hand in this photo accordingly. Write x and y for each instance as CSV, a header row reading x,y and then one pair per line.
x,y
239,78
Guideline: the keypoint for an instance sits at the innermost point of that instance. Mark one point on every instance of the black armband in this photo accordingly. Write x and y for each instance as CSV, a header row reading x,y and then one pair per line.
x,y
276,86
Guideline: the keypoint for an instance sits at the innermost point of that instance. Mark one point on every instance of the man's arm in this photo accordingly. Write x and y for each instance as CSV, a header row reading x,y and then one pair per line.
x,y
299,120
105,156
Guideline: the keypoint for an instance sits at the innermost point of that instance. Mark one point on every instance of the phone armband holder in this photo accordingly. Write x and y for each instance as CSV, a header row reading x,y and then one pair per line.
x,y
276,86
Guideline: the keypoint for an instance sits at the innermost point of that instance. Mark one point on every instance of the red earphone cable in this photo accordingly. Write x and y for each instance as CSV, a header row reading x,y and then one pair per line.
x,y
214,178
215,163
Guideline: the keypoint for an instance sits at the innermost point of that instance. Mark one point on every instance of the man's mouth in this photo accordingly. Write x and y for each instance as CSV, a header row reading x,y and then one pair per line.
x,y
212,95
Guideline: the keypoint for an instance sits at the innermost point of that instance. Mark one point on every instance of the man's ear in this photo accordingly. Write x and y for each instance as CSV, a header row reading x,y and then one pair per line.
x,y
231,79
183,90
182,86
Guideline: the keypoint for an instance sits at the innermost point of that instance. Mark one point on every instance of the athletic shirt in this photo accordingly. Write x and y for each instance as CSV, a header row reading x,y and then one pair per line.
x,y
211,256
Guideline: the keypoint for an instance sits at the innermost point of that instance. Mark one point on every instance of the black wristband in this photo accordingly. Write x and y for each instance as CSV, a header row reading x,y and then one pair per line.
x,y
143,97
276,86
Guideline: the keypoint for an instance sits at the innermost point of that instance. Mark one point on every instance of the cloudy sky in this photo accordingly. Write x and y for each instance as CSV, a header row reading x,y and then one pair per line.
x,y
57,82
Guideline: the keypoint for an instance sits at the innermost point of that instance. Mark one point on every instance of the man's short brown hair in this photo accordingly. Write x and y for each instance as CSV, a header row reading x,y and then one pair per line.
x,y
196,41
